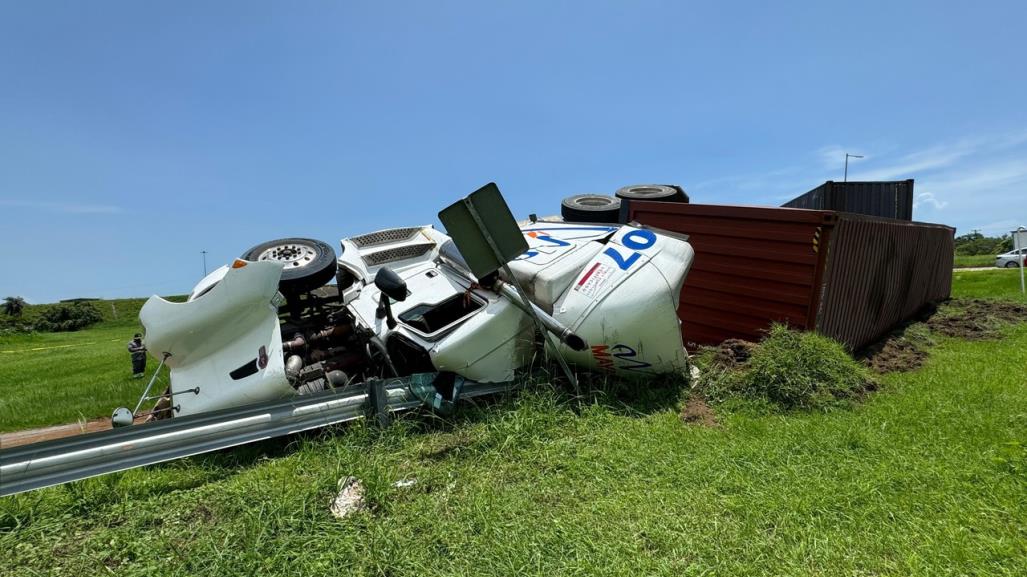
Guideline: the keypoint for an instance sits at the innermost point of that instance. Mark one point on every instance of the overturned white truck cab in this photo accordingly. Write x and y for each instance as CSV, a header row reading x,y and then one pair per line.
x,y
403,303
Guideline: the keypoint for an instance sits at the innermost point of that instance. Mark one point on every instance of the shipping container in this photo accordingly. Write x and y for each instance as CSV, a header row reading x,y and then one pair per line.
x,y
887,199
879,273
850,277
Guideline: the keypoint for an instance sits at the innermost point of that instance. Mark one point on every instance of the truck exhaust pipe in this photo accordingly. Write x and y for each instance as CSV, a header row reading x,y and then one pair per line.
x,y
554,326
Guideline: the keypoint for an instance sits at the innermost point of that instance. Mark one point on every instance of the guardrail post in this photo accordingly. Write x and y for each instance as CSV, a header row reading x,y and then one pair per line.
x,y
378,399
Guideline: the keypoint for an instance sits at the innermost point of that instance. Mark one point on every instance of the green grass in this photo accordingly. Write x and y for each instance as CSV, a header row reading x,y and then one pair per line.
x,y
965,261
998,283
928,476
57,378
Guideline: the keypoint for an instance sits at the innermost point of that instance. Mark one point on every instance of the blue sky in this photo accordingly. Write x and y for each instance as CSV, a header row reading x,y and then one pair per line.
x,y
133,135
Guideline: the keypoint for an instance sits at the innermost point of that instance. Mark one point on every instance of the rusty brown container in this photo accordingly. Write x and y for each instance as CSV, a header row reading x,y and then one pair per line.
x,y
753,266
808,268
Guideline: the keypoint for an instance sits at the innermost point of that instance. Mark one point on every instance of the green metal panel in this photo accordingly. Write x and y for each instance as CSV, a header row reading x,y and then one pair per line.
x,y
498,222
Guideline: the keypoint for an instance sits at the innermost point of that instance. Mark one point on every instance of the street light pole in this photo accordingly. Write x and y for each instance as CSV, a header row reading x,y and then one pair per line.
x,y
204,253
847,155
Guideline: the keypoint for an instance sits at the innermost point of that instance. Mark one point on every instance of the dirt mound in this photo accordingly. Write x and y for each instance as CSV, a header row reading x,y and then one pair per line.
x,y
733,352
976,319
697,412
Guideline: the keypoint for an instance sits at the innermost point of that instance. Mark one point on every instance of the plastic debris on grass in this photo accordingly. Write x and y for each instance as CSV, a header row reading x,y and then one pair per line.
x,y
350,498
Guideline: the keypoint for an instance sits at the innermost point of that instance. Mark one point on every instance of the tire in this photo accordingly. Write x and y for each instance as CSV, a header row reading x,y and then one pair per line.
x,y
309,263
1011,264
659,192
590,208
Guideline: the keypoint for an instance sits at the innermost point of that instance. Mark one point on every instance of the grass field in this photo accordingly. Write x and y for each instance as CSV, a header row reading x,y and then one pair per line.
x,y
56,378
997,283
965,261
927,477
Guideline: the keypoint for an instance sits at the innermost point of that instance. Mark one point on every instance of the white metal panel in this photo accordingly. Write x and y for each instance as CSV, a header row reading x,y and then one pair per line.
x,y
217,333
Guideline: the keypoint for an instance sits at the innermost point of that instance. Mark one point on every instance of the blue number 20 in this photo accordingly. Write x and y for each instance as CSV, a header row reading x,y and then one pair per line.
x,y
637,240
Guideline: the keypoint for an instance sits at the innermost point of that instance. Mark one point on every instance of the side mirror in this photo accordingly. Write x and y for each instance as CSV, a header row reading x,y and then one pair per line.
x,y
389,283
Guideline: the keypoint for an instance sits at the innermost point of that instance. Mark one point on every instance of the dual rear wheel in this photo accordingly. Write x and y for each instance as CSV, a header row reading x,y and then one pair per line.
x,y
606,209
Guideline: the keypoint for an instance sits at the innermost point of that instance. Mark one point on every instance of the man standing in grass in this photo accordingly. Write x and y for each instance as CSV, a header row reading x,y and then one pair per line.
x,y
137,350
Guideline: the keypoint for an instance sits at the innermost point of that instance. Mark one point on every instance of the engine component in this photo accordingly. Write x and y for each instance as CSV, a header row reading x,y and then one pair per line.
x,y
293,366
297,343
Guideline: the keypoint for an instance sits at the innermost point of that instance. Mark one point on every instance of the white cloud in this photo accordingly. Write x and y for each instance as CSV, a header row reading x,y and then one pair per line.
x,y
925,198
1006,174
65,207
919,162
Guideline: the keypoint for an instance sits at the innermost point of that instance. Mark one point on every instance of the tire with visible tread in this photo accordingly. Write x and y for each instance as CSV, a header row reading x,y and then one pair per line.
x,y
309,263
659,192
590,208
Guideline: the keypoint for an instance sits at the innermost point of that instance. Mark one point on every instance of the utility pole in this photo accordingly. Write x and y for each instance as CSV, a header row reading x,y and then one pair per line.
x,y
847,156
204,253
1018,244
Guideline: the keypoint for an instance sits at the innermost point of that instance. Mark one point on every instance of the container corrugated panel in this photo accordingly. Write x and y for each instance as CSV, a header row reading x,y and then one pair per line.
x,y
880,272
887,199
753,266
852,277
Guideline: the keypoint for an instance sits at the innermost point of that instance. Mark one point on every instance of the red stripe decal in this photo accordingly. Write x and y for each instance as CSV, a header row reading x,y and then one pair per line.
x,y
588,274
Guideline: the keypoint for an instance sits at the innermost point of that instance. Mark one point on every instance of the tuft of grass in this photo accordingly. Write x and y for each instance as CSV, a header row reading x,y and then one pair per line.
x,y
793,370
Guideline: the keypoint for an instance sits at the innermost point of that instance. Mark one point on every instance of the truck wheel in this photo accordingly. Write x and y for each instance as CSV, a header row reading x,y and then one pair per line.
x,y
590,208
308,263
660,192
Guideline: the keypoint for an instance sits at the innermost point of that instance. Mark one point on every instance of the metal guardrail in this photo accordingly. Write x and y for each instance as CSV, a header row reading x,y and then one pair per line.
x,y
47,463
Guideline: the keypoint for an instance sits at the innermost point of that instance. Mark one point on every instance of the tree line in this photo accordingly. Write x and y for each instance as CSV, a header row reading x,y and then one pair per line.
x,y
974,243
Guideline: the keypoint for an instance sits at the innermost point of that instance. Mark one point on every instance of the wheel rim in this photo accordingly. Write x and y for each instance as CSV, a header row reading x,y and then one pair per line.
x,y
595,201
647,191
292,255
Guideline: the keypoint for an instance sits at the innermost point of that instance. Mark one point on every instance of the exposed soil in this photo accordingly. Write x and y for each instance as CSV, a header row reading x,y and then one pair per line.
x,y
894,353
18,438
972,319
697,412
976,319
8,440
733,352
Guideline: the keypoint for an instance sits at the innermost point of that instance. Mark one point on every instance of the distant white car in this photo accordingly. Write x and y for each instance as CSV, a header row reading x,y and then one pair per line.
x,y
1010,259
